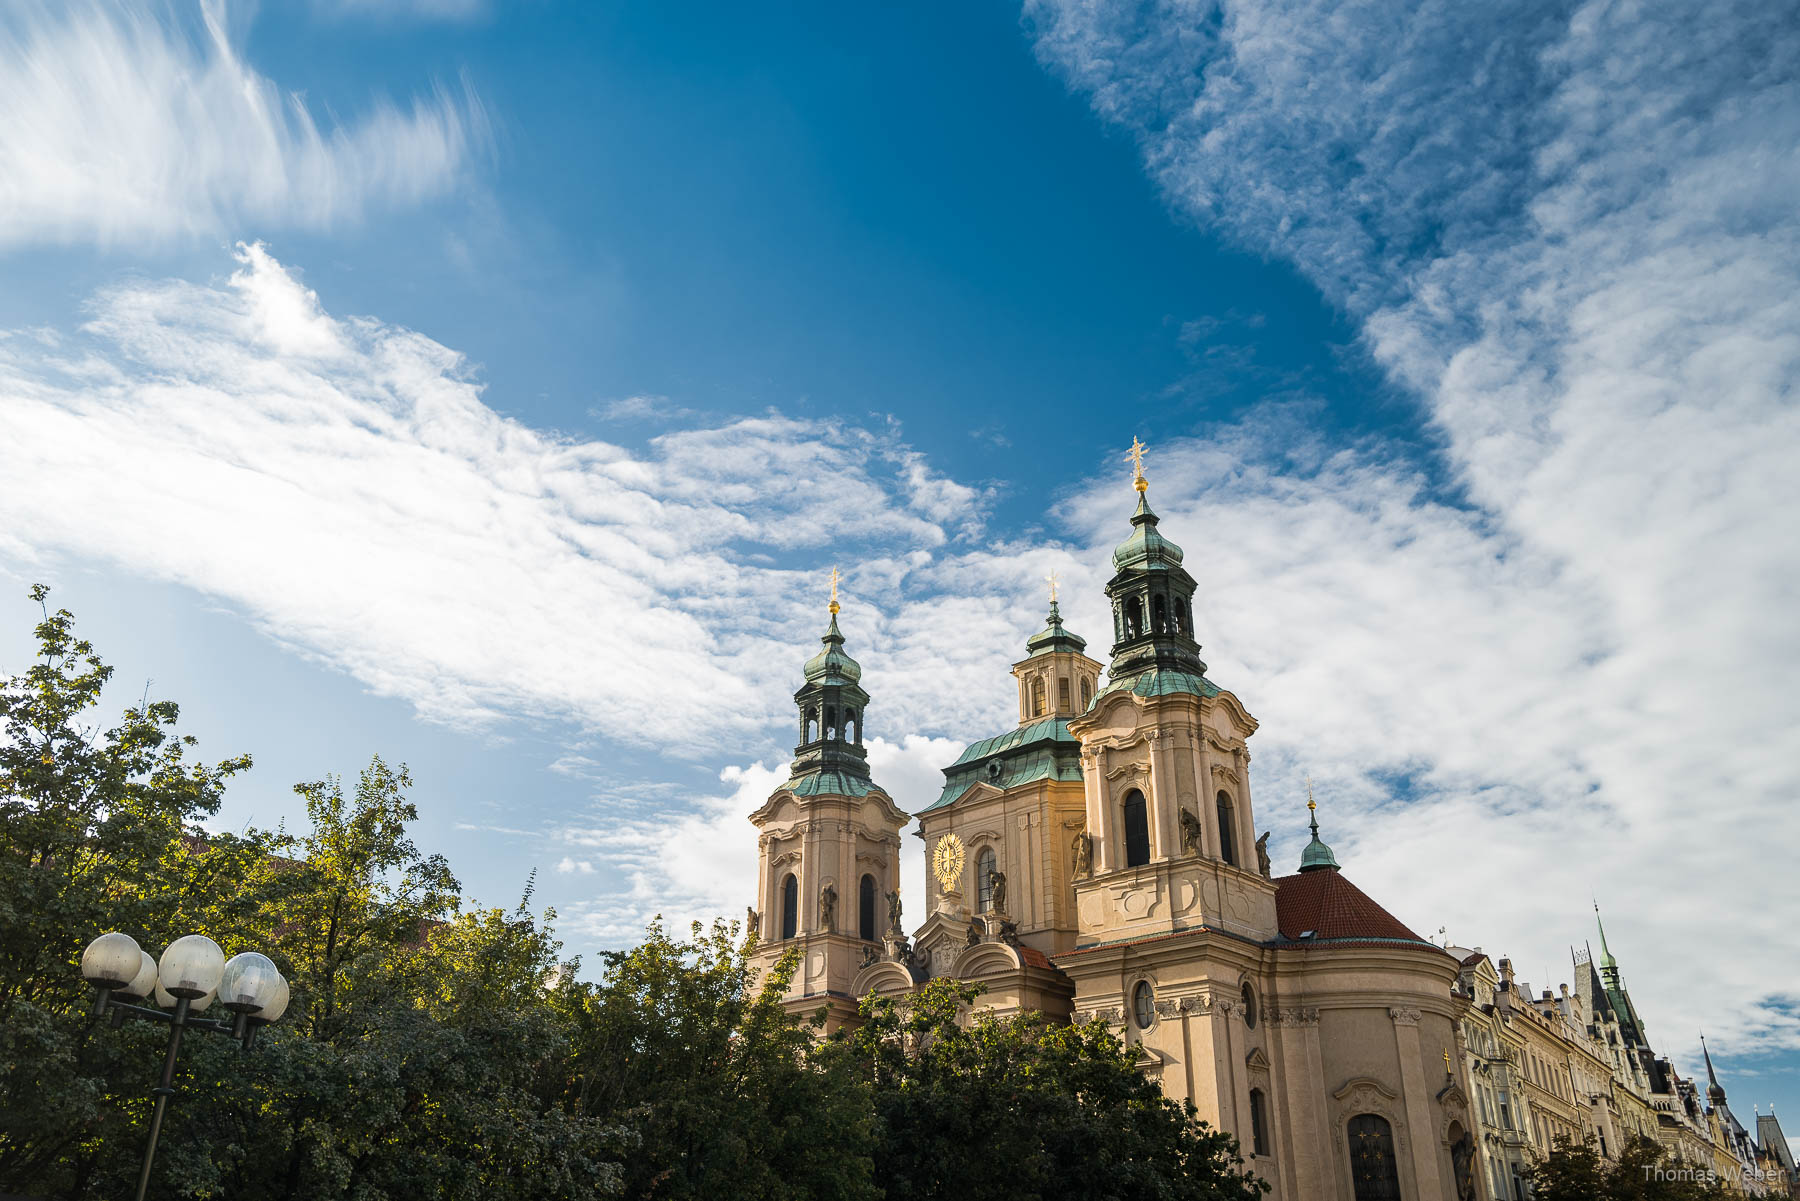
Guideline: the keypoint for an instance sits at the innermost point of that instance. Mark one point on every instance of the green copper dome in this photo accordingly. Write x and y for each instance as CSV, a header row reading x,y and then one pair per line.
x,y
1316,855
832,665
1146,549
1053,637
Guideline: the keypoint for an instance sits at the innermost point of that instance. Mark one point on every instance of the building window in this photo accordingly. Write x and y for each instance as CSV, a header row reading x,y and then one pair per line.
x,y
984,880
1159,607
1037,698
865,909
1248,996
850,726
1087,694
1143,1005
1062,695
1372,1168
1227,824
1259,1123
790,906
1137,830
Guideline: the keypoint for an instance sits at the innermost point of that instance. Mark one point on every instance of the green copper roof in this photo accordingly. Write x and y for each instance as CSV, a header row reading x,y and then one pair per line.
x,y
1043,750
1317,854
1146,549
1053,637
827,782
1160,681
832,665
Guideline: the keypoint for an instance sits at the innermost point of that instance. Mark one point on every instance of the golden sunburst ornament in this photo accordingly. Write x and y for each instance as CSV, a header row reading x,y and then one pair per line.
x,y
947,861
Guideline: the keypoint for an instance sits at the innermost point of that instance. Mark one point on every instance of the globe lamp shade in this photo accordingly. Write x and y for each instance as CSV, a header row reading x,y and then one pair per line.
x,y
248,983
111,960
166,1000
191,967
277,1003
144,983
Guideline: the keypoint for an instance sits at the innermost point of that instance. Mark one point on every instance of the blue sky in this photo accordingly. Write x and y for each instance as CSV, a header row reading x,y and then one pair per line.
x,y
491,387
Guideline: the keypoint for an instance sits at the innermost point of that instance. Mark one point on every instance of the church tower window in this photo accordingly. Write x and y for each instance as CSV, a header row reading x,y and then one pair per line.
x,y
1143,1005
1259,1123
1137,830
984,880
1160,607
1372,1168
1227,827
865,909
1087,694
1248,996
1037,698
790,906
1062,695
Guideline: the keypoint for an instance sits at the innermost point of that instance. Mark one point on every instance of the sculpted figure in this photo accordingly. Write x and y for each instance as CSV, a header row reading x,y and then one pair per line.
x,y
1009,932
1084,855
752,920
870,955
1190,831
1262,854
893,899
828,909
974,931
997,881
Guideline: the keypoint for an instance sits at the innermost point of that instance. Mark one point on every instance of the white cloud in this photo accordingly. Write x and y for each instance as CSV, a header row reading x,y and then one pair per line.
x,y
1572,237
124,124
342,482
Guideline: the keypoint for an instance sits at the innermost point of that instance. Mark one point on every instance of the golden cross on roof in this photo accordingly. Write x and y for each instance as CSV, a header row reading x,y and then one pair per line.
x,y
1309,800
1136,455
1447,1070
834,583
1052,578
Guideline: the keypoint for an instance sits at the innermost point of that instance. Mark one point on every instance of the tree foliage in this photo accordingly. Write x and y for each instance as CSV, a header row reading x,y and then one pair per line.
x,y
438,1049
1644,1171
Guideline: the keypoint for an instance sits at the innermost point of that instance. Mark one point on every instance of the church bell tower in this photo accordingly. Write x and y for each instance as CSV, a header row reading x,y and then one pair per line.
x,y
828,843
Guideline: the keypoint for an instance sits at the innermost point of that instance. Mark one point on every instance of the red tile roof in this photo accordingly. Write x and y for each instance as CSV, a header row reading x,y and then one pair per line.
x,y
1324,902
1033,957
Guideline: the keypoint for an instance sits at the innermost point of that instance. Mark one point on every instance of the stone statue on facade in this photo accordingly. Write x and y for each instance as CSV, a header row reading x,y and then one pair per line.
x,y
1009,932
1084,856
828,909
752,921
1462,1160
871,954
1190,832
997,885
1262,854
893,900
974,931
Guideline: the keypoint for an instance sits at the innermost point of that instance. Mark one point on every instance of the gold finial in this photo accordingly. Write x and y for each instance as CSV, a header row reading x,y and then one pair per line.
x,y
1052,579
834,583
1136,455
1310,804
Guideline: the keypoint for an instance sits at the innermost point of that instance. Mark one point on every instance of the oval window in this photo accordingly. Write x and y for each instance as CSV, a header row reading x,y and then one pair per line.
x,y
1143,1004
1249,998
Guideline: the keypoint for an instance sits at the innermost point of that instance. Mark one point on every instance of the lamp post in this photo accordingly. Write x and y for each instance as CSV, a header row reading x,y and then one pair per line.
x,y
193,974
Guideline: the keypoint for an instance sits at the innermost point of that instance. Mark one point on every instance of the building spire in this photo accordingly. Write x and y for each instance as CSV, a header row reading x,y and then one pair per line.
x,y
1316,855
1136,455
1714,1093
1609,967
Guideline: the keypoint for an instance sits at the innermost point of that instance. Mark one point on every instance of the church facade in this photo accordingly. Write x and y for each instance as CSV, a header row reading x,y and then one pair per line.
x,y
1100,861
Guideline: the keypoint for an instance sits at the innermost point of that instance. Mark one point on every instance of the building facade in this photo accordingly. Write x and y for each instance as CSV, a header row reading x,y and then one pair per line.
x,y
1100,861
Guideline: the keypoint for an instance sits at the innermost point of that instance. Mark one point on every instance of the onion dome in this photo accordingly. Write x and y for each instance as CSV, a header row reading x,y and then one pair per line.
x,y
1316,855
1053,637
832,665
1146,549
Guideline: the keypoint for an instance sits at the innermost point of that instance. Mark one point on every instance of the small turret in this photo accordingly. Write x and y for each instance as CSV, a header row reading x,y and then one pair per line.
x,y
1317,855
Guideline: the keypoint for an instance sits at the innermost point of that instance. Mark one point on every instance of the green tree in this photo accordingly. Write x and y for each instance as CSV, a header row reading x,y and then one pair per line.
x,y
728,1094
1644,1171
1023,1107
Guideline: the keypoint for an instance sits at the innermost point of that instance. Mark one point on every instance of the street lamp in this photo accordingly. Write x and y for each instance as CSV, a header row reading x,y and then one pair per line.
x,y
192,974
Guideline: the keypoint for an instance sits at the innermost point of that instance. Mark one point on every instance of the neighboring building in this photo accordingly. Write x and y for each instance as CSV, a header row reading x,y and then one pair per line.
x,y
1776,1156
1493,1052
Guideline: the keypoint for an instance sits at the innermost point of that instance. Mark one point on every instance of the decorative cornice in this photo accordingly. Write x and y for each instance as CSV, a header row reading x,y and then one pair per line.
x,y
1299,1016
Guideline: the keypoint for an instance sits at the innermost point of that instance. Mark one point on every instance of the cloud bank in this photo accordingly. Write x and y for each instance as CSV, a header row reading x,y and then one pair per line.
x,y
1569,231
121,124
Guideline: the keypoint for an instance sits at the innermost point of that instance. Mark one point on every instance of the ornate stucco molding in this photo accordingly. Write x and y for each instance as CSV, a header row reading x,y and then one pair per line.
x,y
1297,1016
1404,1016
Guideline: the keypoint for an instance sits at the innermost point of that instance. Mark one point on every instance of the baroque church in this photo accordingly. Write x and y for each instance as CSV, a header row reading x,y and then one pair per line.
x,y
1100,861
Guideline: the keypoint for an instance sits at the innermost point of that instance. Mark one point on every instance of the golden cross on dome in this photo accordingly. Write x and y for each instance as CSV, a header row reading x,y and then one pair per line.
x,y
1052,578
834,583
1309,800
1136,455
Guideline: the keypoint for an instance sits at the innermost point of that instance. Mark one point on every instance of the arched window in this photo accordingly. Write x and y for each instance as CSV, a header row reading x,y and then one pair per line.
x,y
1259,1123
865,909
1087,694
984,880
1062,695
1227,828
1143,1005
1160,609
1134,617
1037,698
1372,1169
1137,830
790,906
1248,996
831,721
812,725
850,725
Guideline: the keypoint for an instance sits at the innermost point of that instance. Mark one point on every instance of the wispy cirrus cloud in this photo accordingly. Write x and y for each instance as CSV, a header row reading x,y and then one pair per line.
x,y
1568,230
122,123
